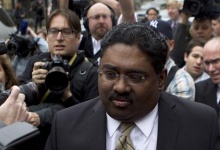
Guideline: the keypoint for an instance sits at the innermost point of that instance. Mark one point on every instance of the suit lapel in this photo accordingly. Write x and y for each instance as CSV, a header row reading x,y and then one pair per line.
x,y
211,96
96,126
89,48
168,126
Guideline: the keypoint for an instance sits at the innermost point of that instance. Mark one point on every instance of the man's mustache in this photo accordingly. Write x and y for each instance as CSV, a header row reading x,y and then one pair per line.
x,y
123,96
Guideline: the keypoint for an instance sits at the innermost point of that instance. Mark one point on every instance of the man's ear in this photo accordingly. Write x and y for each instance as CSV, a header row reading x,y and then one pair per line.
x,y
162,78
185,57
171,45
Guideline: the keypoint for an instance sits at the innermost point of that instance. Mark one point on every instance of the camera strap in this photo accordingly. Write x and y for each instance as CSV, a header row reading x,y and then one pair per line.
x,y
48,91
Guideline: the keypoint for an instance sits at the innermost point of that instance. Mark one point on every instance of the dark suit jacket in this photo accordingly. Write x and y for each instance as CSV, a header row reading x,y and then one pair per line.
x,y
206,93
86,44
183,125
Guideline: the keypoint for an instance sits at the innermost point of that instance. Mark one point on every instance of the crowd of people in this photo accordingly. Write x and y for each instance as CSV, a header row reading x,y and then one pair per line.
x,y
155,78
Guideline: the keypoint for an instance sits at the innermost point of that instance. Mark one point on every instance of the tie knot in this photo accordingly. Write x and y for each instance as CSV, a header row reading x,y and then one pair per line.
x,y
127,127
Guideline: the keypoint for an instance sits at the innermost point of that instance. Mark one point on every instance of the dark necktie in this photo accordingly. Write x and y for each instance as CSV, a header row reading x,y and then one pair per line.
x,y
124,142
219,115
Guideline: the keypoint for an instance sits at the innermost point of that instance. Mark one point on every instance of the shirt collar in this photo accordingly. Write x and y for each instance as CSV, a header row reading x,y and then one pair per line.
x,y
145,124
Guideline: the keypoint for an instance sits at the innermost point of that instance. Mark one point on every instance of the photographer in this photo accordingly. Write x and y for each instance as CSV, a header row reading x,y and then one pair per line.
x,y
63,36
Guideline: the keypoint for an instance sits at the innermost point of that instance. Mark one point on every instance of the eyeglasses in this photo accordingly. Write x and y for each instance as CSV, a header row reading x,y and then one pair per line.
x,y
65,32
213,62
96,17
131,78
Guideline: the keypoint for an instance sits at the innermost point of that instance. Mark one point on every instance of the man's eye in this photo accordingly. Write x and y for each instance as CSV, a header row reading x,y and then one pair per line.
x,y
136,77
110,74
53,31
67,32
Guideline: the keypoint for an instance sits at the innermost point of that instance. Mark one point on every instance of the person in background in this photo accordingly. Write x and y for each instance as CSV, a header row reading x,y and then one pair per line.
x,y
48,71
133,111
98,19
173,7
18,14
7,74
38,8
208,91
178,82
216,26
201,28
151,14
194,60
42,33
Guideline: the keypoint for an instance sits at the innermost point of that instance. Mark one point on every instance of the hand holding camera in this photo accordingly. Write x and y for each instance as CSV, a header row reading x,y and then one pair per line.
x,y
39,73
53,73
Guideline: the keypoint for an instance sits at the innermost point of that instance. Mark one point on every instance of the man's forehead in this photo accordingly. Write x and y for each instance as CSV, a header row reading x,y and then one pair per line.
x,y
200,22
98,7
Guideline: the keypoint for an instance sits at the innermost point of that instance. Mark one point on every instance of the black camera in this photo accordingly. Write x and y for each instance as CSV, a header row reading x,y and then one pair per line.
x,y
30,91
57,77
202,8
78,6
3,48
20,45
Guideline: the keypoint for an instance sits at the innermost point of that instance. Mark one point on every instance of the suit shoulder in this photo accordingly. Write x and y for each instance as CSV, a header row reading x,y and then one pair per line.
x,y
84,108
186,106
204,83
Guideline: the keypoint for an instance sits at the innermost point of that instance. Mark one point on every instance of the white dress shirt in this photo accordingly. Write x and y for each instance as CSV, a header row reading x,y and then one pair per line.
x,y
96,45
218,94
143,136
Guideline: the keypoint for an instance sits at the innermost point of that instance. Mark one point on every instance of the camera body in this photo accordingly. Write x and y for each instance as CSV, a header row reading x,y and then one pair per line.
x,y
30,90
57,78
202,8
78,6
20,45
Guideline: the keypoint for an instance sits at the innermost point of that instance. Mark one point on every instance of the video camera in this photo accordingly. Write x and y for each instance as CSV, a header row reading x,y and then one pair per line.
x,y
78,6
202,8
20,45
57,78
30,90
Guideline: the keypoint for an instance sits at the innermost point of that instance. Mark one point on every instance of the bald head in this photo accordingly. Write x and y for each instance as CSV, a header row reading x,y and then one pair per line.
x,y
211,57
100,20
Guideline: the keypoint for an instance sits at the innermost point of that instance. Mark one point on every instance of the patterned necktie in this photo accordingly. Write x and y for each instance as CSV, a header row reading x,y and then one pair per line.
x,y
174,26
124,142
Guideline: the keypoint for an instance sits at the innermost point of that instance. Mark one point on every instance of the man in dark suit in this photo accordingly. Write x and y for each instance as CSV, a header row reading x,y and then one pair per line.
x,y
208,91
173,8
131,79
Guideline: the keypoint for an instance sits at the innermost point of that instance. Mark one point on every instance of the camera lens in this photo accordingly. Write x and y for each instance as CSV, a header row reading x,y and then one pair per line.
x,y
56,80
12,47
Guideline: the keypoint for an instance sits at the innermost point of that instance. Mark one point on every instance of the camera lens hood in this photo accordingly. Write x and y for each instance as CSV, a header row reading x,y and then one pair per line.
x,y
57,80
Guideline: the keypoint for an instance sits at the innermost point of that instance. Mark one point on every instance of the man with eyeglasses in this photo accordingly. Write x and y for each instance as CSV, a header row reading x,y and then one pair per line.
x,y
98,19
208,91
63,37
131,79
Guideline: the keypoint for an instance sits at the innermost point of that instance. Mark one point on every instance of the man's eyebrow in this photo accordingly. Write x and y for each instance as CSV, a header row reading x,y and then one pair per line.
x,y
133,70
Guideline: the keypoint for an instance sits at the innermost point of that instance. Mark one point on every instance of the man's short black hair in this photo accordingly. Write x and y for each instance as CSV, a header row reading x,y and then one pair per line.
x,y
145,38
152,8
